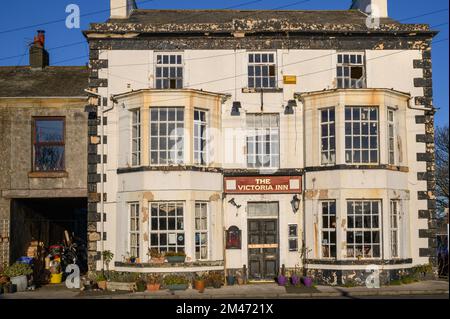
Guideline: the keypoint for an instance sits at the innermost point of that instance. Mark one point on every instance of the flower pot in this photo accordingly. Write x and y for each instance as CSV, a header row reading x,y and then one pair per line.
x,y
141,286
307,281
231,280
295,280
217,284
199,285
153,287
282,280
123,286
21,282
159,260
102,284
176,259
177,287
56,278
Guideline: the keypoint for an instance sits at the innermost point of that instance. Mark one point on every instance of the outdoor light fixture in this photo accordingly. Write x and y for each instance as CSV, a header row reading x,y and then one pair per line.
x,y
295,202
232,202
289,109
235,109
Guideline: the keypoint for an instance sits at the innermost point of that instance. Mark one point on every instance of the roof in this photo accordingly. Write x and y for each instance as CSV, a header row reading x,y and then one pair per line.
x,y
52,81
191,21
171,91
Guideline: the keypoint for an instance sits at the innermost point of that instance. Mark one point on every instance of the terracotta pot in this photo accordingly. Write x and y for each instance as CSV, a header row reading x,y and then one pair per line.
x,y
199,285
159,260
101,284
153,287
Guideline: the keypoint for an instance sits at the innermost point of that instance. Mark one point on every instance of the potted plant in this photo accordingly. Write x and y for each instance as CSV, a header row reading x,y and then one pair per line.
x,y
282,279
200,282
176,256
230,280
295,278
175,282
101,281
306,280
153,282
141,285
107,258
122,281
17,274
156,257
133,259
215,279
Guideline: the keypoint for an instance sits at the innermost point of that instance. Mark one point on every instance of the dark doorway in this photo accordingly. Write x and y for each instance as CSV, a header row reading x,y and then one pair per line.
x,y
46,220
262,248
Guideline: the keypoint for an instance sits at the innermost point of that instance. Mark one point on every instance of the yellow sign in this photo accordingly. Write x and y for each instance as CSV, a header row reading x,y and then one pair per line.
x,y
289,79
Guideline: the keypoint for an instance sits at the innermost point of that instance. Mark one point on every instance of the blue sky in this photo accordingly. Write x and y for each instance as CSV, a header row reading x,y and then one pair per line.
x,y
20,20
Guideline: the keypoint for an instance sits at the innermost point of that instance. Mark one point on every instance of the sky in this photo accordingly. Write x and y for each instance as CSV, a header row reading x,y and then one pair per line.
x,y
19,21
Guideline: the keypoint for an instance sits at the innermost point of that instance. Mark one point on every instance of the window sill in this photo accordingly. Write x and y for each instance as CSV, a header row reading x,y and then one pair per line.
x,y
59,174
259,90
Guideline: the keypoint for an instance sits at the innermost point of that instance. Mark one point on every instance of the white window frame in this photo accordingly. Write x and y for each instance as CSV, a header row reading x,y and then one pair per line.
x,y
134,219
394,227
328,230
136,139
329,138
355,139
201,231
345,63
258,64
164,78
173,138
256,140
176,232
360,231
200,142
391,135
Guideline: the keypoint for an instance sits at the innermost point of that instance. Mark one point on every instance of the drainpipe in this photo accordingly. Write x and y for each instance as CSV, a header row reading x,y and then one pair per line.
x,y
432,109
304,176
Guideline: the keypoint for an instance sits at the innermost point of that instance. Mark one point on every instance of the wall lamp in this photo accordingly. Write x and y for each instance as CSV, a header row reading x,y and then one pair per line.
x,y
235,108
289,109
232,202
295,203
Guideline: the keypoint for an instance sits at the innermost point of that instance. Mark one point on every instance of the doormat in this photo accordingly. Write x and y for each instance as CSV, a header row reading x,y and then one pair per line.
x,y
301,290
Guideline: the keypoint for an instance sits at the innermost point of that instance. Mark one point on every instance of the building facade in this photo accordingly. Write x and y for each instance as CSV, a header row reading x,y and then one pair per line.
x,y
256,141
43,137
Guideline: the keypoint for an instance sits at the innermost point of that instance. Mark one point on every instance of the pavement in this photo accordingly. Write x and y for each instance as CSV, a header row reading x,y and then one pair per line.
x,y
425,289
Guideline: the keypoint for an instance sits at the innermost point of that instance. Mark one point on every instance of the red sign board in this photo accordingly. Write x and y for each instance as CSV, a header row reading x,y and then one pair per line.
x,y
263,184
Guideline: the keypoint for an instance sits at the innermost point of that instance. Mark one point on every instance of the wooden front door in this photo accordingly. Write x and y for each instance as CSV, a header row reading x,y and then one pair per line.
x,y
263,248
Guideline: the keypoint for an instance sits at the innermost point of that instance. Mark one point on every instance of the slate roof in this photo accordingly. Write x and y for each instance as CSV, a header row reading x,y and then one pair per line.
x,y
191,21
52,81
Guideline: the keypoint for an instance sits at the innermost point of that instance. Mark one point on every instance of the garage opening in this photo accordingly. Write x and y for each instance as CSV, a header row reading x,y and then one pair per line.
x,y
38,224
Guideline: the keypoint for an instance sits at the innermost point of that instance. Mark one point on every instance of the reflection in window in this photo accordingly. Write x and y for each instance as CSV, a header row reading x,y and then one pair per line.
x,y
169,71
261,70
328,138
201,231
350,71
328,229
363,229
263,140
48,137
361,135
167,135
167,226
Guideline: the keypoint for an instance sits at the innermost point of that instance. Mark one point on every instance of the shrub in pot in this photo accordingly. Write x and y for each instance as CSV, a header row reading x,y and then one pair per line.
x,y
156,257
215,279
153,282
307,281
141,285
175,282
200,282
101,281
17,274
176,256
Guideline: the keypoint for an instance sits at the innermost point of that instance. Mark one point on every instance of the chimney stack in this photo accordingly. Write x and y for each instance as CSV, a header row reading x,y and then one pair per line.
x,y
39,57
121,9
378,7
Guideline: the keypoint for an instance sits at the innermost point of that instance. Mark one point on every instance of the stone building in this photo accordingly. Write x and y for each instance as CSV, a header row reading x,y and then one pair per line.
x,y
257,140
43,143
